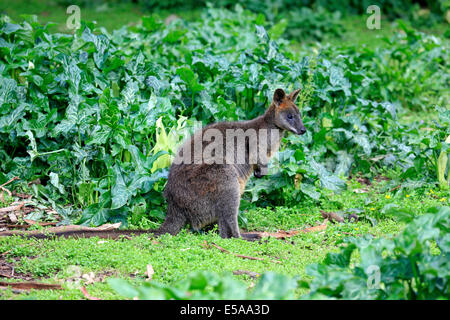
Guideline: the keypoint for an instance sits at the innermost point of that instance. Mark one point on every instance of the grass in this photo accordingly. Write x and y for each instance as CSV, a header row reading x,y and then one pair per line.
x,y
357,34
173,257
109,16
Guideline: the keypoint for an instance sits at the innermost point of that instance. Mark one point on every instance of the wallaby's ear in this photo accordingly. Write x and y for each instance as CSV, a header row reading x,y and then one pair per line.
x,y
279,96
293,95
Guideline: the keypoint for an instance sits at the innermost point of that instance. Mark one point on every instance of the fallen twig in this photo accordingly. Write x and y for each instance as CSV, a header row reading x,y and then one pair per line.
x,y
61,230
42,224
318,228
17,226
395,188
240,255
281,234
7,182
4,253
251,274
4,275
87,295
31,285
12,208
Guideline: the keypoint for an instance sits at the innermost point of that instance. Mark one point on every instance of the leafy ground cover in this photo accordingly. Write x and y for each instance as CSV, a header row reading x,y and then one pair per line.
x,y
89,122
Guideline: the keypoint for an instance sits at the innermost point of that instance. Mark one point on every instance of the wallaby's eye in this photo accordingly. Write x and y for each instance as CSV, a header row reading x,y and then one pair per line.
x,y
290,116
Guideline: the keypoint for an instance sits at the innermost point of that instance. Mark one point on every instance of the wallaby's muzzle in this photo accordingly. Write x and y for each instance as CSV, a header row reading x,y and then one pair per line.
x,y
299,126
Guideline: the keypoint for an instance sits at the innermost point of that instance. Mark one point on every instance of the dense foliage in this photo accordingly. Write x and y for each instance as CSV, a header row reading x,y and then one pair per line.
x,y
97,116
211,286
413,265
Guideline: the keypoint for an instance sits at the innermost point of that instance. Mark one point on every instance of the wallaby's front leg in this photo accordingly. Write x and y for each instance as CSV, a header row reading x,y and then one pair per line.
x,y
260,170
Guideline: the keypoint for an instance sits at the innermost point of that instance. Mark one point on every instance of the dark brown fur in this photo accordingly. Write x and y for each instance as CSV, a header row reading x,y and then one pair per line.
x,y
202,194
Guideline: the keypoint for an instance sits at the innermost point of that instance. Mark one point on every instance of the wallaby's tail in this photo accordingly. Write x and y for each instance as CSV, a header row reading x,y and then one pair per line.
x,y
175,220
105,234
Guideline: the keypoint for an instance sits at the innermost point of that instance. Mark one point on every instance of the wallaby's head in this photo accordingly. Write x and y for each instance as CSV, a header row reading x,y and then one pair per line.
x,y
287,115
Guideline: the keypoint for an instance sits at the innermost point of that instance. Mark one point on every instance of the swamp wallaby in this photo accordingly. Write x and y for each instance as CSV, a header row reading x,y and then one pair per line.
x,y
209,174
206,187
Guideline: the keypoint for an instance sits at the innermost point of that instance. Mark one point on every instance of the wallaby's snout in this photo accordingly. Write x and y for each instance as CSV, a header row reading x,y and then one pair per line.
x,y
298,125
302,130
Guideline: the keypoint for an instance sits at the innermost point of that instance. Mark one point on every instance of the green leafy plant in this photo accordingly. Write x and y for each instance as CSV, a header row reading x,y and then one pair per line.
x,y
211,286
305,23
412,265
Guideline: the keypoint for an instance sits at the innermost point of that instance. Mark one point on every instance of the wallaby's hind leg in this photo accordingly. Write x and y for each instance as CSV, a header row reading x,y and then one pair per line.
x,y
175,220
227,212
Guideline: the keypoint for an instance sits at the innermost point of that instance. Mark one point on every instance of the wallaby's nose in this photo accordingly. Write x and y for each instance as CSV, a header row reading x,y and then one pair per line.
x,y
302,131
